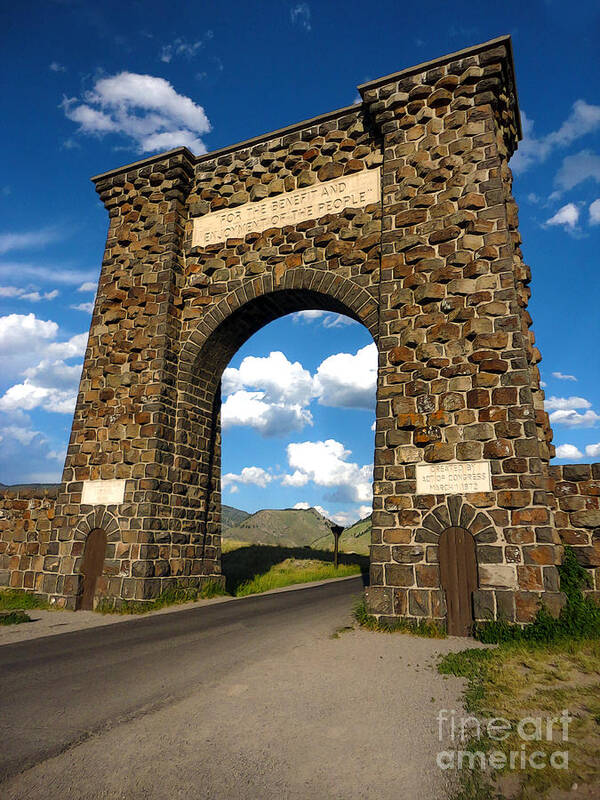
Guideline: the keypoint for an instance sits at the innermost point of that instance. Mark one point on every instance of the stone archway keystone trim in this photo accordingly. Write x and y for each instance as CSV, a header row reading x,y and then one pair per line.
x,y
98,518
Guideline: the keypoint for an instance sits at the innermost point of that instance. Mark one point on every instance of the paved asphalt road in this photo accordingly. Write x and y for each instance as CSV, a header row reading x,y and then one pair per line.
x,y
59,690
250,699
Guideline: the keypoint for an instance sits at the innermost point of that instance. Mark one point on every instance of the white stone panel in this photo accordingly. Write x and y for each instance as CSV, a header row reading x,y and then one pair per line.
x,y
289,208
454,477
106,493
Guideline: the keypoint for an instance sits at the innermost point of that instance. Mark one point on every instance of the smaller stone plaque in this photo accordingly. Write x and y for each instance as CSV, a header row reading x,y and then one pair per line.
x,y
105,493
456,477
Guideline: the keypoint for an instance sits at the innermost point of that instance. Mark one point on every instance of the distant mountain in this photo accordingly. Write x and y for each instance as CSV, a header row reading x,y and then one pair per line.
x,y
29,485
231,516
289,527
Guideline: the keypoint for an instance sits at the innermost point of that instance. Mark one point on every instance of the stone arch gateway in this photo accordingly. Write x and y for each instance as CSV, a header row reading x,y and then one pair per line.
x,y
397,210
205,354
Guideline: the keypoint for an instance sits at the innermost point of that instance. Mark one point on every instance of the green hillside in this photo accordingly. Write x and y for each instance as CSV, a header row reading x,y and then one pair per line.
x,y
287,527
355,539
231,516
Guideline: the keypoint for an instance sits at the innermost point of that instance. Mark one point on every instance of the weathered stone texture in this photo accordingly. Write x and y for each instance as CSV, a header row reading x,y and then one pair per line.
x,y
434,271
576,492
25,548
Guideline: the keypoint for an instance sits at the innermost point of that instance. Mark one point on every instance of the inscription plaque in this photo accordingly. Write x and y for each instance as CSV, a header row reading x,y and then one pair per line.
x,y
103,493
455,477
289,208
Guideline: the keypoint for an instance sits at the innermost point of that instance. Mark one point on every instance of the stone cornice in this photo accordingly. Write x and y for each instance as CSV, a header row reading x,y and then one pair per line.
x,y
355,108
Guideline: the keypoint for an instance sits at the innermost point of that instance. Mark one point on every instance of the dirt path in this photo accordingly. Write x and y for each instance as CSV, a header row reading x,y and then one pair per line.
x,y
268,706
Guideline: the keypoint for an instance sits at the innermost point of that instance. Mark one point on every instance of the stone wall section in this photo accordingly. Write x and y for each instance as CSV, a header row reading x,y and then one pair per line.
x,y
331,262
26,552
144,413
124,416
576,490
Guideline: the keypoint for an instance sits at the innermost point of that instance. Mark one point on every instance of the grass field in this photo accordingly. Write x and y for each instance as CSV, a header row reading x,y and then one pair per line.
x,y
520,680
171,596
14,617
293,571
265,567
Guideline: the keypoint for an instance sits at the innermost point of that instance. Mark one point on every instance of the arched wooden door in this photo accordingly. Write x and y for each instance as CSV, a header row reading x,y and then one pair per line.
x,y
458,575
91,569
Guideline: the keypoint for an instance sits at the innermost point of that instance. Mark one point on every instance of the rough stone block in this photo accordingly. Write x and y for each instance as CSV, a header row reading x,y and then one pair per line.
x,y
498,576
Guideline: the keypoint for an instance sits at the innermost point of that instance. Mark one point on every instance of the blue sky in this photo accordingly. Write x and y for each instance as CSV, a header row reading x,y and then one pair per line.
x,y
223,72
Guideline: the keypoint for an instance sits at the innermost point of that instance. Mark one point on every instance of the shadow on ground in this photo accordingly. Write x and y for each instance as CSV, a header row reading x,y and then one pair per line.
x,y
244,563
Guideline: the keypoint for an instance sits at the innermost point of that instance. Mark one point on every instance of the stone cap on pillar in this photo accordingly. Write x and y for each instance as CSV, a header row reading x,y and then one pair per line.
x,y
488,66
498,49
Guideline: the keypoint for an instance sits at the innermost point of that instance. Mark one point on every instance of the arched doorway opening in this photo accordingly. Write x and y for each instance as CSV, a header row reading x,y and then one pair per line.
x,y
203,361
458,576
92,566
297,414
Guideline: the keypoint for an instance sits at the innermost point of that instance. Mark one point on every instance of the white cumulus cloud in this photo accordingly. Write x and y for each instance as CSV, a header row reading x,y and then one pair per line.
x,y
272,394
325,463
593,450
279,407
279,378
309,315
595,212
256,476
328,319
31,295
87,308
21,332
568,451
568,216
305,506
143,108
30,351
572,419
562,377
27,396
343,518
576,169
29,240
251,409
553,403
22,434
11,270
583,119
348,380
181,47
566,411
300,15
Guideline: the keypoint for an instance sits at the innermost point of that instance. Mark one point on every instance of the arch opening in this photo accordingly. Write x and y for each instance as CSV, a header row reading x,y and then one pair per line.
x,y
198,435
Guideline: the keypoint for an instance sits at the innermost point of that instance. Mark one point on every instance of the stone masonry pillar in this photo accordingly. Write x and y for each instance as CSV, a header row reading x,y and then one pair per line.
x,y
124,418
458,380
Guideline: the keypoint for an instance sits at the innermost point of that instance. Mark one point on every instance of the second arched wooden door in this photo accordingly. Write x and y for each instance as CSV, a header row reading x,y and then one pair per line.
x,y
92,566
458,575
